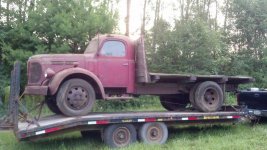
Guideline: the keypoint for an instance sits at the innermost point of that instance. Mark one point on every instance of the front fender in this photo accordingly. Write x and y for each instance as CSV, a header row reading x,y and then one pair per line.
x,y
60,76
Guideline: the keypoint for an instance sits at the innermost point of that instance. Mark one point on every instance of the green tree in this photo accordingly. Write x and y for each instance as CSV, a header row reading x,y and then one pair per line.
x,y
191,47
31,27
248,37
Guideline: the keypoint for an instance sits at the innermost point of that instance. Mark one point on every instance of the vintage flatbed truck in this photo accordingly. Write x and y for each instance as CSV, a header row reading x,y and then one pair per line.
x,y
114,67
117,129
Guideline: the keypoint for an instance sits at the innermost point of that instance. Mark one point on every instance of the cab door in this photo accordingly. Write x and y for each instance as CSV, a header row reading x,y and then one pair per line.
x,y
113,65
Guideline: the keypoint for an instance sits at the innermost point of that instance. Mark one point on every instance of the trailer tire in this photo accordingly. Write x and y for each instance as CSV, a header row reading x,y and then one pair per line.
x,y
174,102
208,96
75,97
119,135
52,104
153,133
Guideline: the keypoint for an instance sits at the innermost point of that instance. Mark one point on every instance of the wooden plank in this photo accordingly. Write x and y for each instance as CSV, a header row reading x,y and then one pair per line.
x,y
162,77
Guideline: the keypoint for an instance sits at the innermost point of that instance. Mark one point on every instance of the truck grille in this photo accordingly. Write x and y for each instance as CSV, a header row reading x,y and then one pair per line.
x,y
35,72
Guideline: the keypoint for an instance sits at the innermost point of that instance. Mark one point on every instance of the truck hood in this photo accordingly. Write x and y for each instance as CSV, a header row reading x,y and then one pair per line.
x,y
42,66
59,62
60,57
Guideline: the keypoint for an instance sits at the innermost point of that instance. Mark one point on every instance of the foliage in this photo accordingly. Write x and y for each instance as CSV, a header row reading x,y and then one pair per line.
x,y
195,43
249,30
38,27
182,49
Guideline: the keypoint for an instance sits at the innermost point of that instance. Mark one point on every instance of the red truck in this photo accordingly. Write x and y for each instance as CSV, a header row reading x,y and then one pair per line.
x,y
114,67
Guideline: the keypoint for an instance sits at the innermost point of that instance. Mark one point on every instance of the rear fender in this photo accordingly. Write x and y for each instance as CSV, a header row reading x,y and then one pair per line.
x,y
60,77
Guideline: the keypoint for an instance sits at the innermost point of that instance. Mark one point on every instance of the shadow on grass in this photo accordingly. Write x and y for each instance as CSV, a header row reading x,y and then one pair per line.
x,y
68,141
196,132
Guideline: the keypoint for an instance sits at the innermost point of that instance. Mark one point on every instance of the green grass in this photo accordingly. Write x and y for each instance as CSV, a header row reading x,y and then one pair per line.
x,y
234,137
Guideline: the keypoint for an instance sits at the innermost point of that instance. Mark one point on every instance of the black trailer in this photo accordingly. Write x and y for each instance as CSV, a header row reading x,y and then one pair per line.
x,y
117,129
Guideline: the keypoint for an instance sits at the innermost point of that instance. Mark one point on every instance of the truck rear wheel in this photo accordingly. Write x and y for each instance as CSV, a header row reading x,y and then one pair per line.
x,y
153,133
174,102
208,96
75,97
119,135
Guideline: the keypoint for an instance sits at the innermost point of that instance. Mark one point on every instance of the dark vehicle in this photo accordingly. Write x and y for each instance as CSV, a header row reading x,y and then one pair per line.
x,y
255,100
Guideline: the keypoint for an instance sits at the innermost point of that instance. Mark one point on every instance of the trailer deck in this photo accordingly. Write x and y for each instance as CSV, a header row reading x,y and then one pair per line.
x,y
119,129
55,123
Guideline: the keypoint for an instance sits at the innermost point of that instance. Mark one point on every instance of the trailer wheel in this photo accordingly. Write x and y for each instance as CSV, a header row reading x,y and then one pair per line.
x,y
153,133
52,104
119,135
174,102
208,96
75,97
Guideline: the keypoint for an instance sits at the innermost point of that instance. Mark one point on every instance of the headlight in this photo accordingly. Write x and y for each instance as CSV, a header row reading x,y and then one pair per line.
x,y
49,73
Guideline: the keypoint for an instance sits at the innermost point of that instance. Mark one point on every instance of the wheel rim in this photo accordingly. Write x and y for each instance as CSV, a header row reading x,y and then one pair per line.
x,y
154,134
121,136
211,97
77,98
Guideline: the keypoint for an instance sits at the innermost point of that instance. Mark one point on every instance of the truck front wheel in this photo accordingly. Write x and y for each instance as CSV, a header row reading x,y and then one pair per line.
x,y
75,97
208,96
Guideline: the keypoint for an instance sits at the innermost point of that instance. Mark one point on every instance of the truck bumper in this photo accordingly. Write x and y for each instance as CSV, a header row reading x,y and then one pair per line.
x,y
36,90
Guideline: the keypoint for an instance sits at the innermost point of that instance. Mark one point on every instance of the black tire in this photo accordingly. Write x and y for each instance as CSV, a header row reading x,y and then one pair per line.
x,y
192,96
174,102
119,135
75,97
153,133
52,104
209,96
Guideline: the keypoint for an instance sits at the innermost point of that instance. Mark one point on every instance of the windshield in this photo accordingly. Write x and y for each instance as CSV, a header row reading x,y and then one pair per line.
x,y
92,46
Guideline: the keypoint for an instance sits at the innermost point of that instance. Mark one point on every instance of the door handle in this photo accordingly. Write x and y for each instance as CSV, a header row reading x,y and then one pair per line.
x,y
125,64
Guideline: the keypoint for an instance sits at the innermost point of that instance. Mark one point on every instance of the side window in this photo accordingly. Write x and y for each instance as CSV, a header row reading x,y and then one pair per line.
x,y
113,48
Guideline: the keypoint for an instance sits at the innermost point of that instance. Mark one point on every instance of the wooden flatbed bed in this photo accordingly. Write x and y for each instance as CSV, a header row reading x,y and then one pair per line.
x,y
162,77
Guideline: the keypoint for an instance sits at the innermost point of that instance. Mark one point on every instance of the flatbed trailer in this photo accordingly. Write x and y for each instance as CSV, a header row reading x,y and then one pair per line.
x,y
118,129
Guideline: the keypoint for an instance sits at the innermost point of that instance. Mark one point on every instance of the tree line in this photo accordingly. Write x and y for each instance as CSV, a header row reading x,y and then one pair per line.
x,y
210,37
198,42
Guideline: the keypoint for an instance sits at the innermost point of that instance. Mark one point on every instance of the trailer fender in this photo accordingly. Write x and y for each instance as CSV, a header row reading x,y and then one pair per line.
x,y
60,77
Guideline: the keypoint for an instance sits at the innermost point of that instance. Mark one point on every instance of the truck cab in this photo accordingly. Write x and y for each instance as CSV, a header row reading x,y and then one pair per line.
x,y
115,61
109,59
